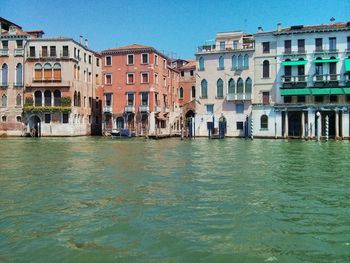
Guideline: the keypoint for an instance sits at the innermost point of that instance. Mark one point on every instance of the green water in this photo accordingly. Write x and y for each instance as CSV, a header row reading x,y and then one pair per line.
x,y
103,200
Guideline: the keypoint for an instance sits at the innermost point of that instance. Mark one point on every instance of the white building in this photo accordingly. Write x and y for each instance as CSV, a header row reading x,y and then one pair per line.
x,y
224,82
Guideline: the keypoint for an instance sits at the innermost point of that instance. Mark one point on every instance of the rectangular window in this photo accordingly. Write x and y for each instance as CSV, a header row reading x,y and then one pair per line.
x,y
32,52
222,45
65,51
210,108
266,97
108,61
75,52
5,44
89,59
155,59
164,64
108,80
191,72
182,73
156,78
239,125
84,57
287,46
235,44
319,98
108,97
239,108
301,99
287,99
144,98
144,77
97,62
348,48
44,51
52,51
19,43
130,78
301,45
65,117
164,81
130,99
144,59
130,59
47,118
266,47
318,44
332,44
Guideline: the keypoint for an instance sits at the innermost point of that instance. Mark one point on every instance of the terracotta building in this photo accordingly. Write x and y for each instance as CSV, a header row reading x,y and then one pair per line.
x,y
139,91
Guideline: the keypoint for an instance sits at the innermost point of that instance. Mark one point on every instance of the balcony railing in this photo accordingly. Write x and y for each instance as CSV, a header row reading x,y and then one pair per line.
x,y
294,81
129,108
19,52
238,96
143,108
218,48
107,109
325,51
291,53
239,67
4,85
47,80
328,79
4,52
18,85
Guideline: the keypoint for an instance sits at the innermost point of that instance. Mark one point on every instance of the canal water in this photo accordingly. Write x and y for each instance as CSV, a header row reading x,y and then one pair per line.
x,y
102,200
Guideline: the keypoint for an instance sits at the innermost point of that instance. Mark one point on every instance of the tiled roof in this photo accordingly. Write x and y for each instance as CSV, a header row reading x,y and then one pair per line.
x,y
191,64
133,46
322,26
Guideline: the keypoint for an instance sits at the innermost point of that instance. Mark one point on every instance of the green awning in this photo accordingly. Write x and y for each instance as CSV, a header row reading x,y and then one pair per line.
x,y
337,91
347,64
294,63
326,60
346,90
293,92
324,91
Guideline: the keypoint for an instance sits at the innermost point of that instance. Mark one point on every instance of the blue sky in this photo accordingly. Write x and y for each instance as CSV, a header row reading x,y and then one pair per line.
x,y
177,26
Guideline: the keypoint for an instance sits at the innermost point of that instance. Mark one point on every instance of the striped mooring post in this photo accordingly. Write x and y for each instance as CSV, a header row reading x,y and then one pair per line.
x,y
327,127
251,128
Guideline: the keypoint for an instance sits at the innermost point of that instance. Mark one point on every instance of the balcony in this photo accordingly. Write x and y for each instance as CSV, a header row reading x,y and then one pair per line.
x,y
239,68
290,53
320,51
19,52
129,108
107,109
4,85
238,96
157,109
144,108
18,85
64,54
330,80
294,81
4,52
48,83
47,80
217,48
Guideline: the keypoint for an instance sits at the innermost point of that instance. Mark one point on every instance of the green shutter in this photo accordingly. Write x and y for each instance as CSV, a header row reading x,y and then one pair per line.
x,y
294,63
326,60
347,64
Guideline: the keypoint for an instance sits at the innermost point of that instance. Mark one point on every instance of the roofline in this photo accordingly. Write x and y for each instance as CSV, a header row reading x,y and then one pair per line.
x,y
9,22
133,50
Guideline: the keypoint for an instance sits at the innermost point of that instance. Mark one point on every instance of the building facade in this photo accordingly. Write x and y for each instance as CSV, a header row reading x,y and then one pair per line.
x,y
224,81
139,90
311,85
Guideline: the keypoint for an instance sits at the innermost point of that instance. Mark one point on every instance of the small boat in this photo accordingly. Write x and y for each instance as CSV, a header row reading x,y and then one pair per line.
x,y
122,133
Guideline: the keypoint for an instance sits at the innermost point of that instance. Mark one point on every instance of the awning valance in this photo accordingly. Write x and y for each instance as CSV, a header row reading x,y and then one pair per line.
x,y
294,63
315,91
326,60
295,92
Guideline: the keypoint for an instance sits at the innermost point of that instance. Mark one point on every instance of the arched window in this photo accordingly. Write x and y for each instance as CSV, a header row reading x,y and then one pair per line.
x,y
193,92
246,61
240,86
75,72
57,71
201,63
204,89
75,99
301,71
319,70
4,75
264,122
78,73
19,75
57,98
47,98
181,93
240,62
79,99
219,88
231,86
333,70
266,69
4,101
38,71
47,71
19,100
221,62
38,98
120,122
234,62
248,85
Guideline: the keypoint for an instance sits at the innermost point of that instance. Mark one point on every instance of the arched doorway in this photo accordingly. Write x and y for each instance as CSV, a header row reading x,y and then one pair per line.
x,y
189,116
35,126
222,126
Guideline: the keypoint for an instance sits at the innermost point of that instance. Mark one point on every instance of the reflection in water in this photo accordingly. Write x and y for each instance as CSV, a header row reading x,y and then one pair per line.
x,y
178,201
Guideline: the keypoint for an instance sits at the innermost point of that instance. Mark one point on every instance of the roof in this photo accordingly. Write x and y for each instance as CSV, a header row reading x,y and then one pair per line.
x,y
133,46
8,23
190,65
34,31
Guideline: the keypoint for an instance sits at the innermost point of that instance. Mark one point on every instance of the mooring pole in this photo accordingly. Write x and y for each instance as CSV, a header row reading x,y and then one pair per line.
x,y
327,128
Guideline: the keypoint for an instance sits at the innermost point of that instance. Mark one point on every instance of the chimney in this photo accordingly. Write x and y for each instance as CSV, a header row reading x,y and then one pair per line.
x,y
86,42
332,20
81,39
260,29
279,27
